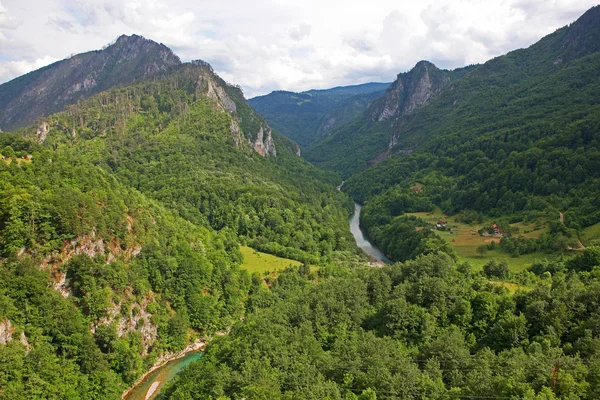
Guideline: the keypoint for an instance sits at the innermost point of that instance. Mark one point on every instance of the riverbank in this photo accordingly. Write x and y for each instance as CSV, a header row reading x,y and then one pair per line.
x,y
162,361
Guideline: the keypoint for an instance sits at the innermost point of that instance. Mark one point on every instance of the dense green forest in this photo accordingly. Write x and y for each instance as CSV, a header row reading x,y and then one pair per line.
x,y
170,141
120,225
424,329
515,139
140,276
121,220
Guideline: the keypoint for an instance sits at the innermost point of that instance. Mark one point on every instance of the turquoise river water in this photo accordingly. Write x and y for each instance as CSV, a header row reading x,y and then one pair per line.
x,y
158,378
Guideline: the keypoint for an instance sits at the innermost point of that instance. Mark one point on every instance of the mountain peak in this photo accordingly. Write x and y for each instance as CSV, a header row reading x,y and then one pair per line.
x,y
129,38
410,91
52,88
424,63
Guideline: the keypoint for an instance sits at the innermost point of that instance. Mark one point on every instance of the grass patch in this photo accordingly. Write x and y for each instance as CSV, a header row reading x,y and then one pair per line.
x,y
591,235
531,230
465,239
255,261
512,287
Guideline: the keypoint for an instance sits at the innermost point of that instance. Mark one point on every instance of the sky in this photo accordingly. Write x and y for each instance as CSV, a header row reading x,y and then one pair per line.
x,y
266,45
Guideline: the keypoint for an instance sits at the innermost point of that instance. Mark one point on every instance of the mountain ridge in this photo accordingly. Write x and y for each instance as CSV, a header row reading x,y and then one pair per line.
x,y
306,116
51,88
384,117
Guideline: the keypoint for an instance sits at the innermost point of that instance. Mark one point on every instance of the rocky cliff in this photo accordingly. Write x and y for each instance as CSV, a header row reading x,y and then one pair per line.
x,y
370,138
245,122
52,88
410,91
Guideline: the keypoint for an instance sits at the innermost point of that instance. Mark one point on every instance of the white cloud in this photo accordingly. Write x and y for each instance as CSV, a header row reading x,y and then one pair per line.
x,y
6,21
11,69
277,44
300,32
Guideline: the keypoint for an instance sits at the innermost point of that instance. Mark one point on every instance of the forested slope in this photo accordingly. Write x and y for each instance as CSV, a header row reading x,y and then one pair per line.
x,y
308,116
95,277
120,227
517,137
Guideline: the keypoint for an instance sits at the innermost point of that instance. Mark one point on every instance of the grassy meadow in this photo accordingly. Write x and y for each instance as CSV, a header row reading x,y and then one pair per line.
x,y
465,239
255,261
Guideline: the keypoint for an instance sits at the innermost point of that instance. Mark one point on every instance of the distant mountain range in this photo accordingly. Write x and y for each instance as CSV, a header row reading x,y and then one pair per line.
x,y
308,116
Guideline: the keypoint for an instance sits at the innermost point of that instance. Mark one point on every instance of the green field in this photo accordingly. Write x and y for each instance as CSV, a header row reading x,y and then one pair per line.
x,y
255,261
591,235
512,287
465,239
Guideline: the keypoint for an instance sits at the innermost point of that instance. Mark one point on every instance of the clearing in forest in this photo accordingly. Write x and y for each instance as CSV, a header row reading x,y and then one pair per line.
x,y
255,261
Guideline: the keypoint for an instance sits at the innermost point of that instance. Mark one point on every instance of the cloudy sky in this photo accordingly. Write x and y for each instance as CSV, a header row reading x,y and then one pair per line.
x,y
283,44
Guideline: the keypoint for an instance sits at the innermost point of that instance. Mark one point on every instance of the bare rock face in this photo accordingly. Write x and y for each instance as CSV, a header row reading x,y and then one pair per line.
x,y
225,96
135,318
42,132
265,146
218,94
329,124
90,245
236,132
6,332
410,91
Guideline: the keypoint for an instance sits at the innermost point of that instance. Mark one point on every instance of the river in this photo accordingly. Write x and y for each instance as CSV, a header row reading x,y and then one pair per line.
x,y
362,241
150,387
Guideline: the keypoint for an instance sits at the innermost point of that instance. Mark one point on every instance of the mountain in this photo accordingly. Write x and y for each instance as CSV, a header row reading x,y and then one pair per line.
x,y
307,116
467,99
369,138
50,89
515,139
122,215
121,219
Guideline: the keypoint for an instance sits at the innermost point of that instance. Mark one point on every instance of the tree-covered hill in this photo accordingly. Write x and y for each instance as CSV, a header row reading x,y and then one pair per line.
x,y
120,224
370,137
307,116
97,280
189,140
543,83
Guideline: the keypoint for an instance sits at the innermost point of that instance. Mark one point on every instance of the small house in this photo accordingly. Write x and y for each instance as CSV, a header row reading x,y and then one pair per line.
x,y
441,224
495,229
